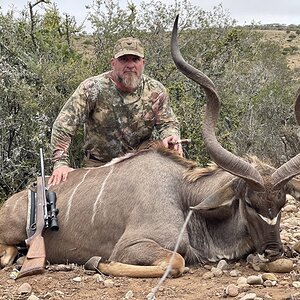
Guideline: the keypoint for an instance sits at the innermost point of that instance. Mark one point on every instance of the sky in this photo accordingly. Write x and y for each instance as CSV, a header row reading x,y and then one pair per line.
x,y
244,11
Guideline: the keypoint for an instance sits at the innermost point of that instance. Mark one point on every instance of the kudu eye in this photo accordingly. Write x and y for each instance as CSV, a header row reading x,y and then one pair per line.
x,y
248,204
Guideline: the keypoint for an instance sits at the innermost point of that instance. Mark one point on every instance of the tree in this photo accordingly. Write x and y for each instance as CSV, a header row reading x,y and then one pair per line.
x,y
38,71
40,68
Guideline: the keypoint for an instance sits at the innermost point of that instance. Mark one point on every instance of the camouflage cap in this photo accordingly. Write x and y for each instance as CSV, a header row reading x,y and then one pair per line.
x,y
128,45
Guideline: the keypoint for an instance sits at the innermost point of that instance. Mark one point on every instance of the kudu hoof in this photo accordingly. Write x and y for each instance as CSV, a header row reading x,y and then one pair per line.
x,y
92,263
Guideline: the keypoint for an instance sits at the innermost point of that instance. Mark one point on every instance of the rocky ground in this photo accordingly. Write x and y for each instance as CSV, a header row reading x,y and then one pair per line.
x,y
241,280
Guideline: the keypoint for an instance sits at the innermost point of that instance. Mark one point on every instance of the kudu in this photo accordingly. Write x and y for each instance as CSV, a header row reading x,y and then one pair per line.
x,y
130,213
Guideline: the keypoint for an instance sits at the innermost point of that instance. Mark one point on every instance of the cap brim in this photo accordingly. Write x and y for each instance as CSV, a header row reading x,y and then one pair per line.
x,y
127,52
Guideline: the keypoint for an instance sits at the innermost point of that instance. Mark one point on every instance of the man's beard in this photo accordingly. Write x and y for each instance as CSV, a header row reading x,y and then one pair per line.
x,y
131,81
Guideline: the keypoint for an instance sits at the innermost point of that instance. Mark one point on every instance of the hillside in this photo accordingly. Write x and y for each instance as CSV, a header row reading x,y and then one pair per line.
x,y
290,42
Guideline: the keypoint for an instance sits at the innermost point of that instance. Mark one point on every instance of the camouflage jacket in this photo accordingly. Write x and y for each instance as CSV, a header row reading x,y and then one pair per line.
x,y
114,121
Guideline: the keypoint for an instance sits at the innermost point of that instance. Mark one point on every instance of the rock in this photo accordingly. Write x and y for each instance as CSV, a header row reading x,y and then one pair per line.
x,y
129,294
256,267
77,279
290,208
269,283
290,198
293,221
14,274
249,296
269,276
33,297
150,296
108,283
285,283
296,246
217,272
254,261
222,265
232,290
250,258
25,288
61,267
253,279
281,265
285,236
296,284
295,275
234,273
207,267
241,281
99,278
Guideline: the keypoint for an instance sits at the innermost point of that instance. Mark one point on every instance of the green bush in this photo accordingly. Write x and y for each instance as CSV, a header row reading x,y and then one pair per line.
x,y
40,69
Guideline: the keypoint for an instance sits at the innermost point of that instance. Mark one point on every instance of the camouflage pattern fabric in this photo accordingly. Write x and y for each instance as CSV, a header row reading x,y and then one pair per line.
x,y
114,122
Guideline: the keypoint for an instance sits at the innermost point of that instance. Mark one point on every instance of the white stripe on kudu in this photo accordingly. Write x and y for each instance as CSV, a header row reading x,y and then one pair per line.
x,y
72,196
269,221
100,193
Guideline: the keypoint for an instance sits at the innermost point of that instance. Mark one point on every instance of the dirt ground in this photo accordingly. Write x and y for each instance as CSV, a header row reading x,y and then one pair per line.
x,y
73,282
77,284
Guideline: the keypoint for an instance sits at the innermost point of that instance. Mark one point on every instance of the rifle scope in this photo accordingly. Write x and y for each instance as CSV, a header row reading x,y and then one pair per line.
x,y
52,210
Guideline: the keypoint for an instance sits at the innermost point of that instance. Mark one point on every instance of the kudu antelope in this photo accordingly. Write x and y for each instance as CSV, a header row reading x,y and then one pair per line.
x,y
130,213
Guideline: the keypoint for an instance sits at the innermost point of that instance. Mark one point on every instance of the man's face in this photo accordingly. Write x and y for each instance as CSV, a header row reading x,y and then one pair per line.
x,y
128,70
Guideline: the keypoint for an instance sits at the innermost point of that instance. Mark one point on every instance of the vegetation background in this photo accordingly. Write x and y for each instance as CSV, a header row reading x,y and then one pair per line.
x,y
44,55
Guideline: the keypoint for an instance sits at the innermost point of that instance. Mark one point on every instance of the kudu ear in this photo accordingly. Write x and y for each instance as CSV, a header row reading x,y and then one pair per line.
x,y
293,187
222,197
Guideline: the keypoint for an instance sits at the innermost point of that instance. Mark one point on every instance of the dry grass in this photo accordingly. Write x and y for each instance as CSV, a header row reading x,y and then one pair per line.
x,y
290,43
85,44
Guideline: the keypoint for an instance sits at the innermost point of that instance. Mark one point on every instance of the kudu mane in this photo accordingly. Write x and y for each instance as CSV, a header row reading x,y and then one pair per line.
x,y
192,171
193,174
157,146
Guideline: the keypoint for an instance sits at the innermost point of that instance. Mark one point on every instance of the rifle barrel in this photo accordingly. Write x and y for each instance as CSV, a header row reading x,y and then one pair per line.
x,y
44,190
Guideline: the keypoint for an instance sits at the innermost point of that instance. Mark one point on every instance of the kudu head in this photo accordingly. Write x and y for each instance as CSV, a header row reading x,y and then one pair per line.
x,y
262,195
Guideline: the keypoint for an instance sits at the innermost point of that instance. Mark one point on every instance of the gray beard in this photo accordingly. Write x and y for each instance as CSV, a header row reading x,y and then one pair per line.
x,y
131,81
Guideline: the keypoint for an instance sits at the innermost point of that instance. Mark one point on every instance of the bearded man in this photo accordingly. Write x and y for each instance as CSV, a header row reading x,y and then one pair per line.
x,y
119,109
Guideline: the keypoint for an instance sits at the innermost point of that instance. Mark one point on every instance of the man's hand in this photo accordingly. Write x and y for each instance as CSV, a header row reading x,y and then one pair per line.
x,y
59,174
173,142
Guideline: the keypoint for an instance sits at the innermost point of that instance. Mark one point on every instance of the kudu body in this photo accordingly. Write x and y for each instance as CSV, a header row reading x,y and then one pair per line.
x,y
131,212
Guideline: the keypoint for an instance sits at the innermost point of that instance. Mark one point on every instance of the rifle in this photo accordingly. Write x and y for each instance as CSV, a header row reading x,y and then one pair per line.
x,y
35,259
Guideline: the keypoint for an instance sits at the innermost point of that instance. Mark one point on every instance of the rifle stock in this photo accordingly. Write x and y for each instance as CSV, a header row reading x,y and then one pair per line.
x,y
35,260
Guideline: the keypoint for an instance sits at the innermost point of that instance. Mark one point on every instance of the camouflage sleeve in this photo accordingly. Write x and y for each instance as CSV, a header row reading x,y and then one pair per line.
x,y
70,117
166,121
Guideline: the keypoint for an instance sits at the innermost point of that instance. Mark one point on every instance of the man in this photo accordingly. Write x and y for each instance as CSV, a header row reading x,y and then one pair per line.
x,y
119,110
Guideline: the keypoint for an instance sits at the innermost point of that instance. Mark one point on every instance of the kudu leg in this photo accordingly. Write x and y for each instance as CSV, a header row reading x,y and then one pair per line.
x,y
143,259
7,255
